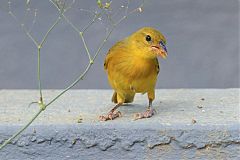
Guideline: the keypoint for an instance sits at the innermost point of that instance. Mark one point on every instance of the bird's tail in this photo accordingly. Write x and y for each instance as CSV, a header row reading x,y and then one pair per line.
x,y
128,98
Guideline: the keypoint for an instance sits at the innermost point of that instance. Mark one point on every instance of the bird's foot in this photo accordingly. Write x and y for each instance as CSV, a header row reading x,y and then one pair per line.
x,y
110,116
147,114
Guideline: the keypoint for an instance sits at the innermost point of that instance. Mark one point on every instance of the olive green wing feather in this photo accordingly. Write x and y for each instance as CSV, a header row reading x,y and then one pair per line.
x,y
157,65
116,49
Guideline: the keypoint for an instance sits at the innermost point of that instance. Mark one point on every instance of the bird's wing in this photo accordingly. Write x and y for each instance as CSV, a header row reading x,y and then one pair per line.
x,y
116,49
157,66
105,63
107,59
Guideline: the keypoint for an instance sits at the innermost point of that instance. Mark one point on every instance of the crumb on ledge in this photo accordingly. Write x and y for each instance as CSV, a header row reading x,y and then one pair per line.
x,y
194,121
79,119
199,107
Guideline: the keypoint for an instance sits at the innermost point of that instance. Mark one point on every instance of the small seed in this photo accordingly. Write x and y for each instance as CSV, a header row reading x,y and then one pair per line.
x,y
194,121
199,107
140,9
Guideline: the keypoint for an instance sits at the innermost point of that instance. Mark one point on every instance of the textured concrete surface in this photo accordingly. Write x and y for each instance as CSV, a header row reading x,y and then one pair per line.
x,y
170,134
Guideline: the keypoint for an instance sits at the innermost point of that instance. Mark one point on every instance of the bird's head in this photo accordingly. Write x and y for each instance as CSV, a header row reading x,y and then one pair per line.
x,y
149,43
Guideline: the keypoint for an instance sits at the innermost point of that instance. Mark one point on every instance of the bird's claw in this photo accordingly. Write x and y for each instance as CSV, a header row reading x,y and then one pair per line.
x,y
110,116
147,114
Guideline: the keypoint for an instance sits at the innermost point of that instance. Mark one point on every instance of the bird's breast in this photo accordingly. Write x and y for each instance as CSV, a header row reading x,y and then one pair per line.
x,y
131,73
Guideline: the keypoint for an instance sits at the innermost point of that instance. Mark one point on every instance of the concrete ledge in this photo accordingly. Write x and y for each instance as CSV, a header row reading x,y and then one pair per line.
x,y
190,124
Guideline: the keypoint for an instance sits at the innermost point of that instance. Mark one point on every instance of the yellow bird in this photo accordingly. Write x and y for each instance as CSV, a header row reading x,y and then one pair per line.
x,y
132,67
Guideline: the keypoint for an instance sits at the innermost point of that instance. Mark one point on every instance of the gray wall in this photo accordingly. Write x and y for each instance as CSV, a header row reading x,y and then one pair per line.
x,y
203,44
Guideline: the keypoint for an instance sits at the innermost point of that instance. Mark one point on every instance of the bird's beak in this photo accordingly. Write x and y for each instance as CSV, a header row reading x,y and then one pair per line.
x,y
160,50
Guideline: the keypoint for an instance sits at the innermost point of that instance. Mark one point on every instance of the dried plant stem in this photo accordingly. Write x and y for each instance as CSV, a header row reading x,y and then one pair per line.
x,y
39,74
80,77
20,131
39,56
40,45
43,108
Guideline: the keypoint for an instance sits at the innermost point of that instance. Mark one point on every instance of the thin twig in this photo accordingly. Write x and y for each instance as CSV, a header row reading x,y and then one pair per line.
x,y
21,24
34,21
20,131
80,77
103,43
39,74
77,30
90,23
39,52
40,110
85,46
51,28
39,46
70,6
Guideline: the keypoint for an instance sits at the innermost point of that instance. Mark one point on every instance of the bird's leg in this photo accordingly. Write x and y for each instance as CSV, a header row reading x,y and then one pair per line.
x,y
112,114
147,114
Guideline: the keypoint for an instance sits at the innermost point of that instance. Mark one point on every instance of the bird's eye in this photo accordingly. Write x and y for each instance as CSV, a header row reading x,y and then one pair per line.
x,y
148,38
